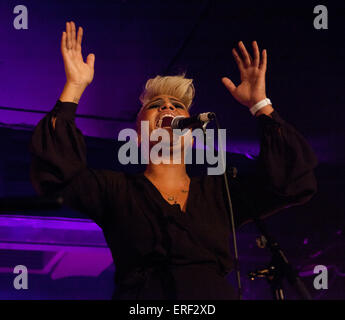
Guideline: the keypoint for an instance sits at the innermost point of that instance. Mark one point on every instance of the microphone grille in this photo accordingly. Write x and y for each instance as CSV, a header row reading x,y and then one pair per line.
x,y
175,122
206,116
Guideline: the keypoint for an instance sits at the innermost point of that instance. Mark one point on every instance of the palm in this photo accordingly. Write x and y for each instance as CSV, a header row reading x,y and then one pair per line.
x,y
252,88
77,71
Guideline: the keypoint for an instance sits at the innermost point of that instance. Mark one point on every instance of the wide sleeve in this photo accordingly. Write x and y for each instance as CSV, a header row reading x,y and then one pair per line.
x,y
284,173
59,165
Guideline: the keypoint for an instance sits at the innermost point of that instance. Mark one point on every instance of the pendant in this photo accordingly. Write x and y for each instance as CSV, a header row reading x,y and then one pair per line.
x,y
171,198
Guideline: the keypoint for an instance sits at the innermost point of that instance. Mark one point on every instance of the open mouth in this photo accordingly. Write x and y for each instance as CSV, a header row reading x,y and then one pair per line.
x,y
165,121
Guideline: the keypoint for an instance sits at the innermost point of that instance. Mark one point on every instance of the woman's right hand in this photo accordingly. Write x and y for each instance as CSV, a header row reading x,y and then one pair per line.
x,y
78,73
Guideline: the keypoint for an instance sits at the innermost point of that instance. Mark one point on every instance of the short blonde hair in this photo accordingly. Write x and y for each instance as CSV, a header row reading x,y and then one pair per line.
x,y
176,86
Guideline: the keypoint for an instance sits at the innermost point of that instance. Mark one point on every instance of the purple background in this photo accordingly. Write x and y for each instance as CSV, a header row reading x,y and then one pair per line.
x,y
135,40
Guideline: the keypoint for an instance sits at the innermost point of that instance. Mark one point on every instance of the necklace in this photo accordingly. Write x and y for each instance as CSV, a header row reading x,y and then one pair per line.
x,y
170,197
174,197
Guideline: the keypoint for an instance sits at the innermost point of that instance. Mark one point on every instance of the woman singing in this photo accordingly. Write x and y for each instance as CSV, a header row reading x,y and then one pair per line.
x,y
169,233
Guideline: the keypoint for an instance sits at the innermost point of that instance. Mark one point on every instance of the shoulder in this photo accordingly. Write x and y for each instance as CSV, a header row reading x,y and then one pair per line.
x,y
109,177
123,180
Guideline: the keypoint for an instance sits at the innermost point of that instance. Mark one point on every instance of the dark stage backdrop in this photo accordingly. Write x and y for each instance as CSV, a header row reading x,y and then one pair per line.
x,y
135,40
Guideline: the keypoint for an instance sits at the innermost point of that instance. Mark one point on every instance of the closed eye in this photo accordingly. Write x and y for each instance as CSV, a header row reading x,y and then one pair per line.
x,y
153,106
176,105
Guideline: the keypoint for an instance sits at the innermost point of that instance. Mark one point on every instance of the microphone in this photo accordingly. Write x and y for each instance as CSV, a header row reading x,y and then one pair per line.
x,y
196,121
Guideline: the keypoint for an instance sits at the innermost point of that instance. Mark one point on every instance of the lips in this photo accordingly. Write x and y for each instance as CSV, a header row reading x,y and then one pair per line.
x,y
164,121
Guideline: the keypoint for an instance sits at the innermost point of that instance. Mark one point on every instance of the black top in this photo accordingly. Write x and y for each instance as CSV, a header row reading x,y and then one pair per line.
x,y
159,251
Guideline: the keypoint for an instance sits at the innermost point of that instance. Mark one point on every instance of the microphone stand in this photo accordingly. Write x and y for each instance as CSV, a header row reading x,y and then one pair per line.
x,y
278,269
231,212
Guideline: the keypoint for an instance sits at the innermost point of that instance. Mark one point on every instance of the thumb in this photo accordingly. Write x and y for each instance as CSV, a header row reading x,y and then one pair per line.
x,y
90,60
229,84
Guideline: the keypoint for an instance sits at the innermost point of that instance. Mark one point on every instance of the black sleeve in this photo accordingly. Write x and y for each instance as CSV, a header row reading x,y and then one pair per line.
x,y
284,175
59,165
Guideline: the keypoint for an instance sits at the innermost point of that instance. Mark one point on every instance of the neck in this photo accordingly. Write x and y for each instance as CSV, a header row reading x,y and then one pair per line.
x,y
170,174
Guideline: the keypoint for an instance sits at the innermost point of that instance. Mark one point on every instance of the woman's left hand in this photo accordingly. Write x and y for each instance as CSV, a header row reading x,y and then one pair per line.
x,y
252,88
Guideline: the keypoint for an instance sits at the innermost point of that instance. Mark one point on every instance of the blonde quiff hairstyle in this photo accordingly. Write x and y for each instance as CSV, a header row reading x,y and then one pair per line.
x,y
176,86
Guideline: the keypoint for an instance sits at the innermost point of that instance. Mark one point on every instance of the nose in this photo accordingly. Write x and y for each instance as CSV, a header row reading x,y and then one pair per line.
x,y
167,106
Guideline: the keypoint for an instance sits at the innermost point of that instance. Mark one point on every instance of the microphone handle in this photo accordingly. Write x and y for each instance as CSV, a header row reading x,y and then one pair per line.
x,y
195,121
190,122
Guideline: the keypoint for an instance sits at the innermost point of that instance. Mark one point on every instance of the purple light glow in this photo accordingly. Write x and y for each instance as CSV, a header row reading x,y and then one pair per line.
x,y
316,254
32,76
68,247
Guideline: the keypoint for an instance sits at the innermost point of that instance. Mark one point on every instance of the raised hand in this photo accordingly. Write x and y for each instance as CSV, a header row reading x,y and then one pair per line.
x,y
79,74
252,88
77,71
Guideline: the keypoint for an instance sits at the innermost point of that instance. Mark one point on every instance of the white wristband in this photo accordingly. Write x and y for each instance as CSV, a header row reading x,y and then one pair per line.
x,y
256,107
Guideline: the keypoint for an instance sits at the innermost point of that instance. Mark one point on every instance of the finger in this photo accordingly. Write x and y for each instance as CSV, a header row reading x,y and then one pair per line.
x,y
79,38
63,43
68,31
256,53
74,38
263,63
237,59
246,56
229,84
90,60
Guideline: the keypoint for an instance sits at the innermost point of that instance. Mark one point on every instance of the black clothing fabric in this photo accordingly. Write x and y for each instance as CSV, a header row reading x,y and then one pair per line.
x,y
159,251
